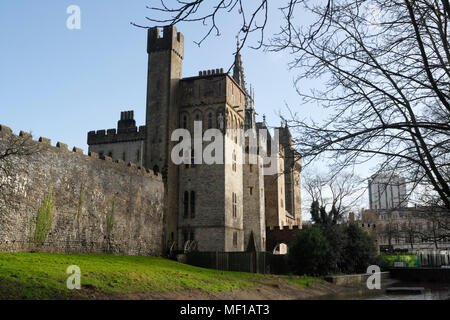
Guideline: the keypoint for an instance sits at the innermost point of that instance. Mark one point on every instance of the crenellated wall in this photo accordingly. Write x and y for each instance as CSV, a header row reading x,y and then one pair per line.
x,y
112,136
100,205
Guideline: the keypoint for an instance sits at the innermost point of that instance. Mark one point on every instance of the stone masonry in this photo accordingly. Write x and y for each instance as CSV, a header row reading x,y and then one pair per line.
x,y
87,192
224,207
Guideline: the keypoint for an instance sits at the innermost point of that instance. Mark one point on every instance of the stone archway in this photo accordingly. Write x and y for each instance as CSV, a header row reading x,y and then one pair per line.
x,y
278,235
280,248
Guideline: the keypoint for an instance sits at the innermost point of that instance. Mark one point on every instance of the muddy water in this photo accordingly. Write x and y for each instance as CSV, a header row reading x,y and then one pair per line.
x,y
433,291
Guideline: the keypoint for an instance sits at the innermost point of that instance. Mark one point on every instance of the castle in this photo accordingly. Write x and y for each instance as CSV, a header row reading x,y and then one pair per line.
x,y
222,207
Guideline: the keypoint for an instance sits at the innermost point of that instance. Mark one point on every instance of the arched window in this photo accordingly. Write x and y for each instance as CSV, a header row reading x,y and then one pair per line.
x,y
192,204
185,122
186,204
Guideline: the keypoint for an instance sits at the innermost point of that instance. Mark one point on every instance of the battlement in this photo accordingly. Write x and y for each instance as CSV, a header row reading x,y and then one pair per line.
x,y
126,131
280,228
44,144
112,136
170,40
211,72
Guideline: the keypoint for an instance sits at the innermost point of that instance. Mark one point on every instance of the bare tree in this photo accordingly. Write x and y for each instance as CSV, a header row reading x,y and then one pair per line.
x,y
332,197
253,17
12,148
409,230
385,65
387,87
435,220
388,227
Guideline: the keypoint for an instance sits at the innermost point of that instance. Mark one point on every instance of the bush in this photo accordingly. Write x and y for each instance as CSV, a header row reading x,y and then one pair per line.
x,y
320,250
309,253
337,239
359,251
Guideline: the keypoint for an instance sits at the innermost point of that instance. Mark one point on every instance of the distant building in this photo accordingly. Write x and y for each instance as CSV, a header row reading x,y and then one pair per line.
x,y
387,191
407,228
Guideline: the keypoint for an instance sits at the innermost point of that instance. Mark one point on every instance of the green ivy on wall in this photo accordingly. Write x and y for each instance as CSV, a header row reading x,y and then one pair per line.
x,y
44,218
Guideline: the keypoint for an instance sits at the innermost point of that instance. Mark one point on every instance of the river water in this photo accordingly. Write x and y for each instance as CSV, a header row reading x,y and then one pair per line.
x,y
433,291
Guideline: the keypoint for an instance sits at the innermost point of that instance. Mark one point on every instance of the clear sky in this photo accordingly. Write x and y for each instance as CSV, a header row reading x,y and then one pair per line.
x,y
60,83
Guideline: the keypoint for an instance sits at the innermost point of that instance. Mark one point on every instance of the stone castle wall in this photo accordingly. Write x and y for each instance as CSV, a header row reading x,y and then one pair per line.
x,y
100,206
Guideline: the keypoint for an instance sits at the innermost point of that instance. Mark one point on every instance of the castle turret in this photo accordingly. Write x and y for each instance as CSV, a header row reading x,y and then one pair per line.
x,y
165,56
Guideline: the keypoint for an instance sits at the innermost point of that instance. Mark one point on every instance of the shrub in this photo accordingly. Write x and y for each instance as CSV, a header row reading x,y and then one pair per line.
x,y
337,239
309,253
359,251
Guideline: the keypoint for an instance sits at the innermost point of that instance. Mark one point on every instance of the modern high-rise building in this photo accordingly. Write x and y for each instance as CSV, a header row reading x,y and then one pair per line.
x,y
387,191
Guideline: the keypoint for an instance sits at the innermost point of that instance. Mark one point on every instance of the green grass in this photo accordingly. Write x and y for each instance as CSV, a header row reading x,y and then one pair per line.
x,y
304,281
43,276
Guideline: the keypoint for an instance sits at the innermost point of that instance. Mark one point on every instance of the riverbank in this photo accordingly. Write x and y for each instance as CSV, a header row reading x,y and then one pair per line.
x,y
43,276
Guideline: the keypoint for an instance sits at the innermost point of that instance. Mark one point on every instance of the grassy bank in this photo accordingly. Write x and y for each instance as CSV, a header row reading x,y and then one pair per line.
x,y
43,276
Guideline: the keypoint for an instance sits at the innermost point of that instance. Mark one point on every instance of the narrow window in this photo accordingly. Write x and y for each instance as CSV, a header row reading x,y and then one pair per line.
x,y
124,156
235,239
192,204
192,159
251,191
251,168
234,200
192,236
210,120
184,122
186,204
234,160
138,156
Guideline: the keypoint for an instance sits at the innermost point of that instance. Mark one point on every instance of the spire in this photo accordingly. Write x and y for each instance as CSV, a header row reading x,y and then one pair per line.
x,y
238,71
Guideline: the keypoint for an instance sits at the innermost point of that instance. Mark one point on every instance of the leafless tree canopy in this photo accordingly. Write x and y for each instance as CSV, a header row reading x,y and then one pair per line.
x,y
385,67
254,17
12,148
332,196
387,87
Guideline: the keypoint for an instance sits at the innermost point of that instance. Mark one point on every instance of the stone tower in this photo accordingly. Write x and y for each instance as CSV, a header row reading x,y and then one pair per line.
x,y
165,57
252,173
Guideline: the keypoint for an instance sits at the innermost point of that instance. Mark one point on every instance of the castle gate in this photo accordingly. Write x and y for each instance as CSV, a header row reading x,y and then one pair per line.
x,y
277,235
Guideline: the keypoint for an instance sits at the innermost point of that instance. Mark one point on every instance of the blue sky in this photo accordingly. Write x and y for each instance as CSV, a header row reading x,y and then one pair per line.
x,y
60,83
